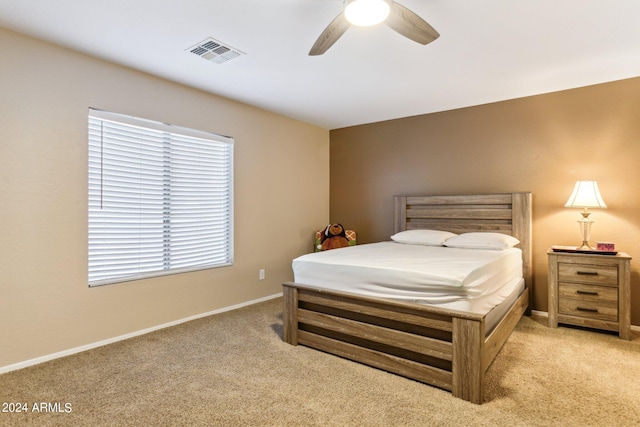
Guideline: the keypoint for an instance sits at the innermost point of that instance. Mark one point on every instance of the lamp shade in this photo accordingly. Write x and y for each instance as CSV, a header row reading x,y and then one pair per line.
x,y
585,195
365,13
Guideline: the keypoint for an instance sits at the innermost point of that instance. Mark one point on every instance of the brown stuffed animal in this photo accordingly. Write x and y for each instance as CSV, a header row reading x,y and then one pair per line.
x,y
333,237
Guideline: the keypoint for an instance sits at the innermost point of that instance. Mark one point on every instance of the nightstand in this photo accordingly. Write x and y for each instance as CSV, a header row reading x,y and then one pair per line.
x,y
590,290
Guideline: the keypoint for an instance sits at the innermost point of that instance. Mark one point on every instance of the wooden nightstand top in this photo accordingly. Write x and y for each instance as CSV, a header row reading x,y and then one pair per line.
x,y
619,255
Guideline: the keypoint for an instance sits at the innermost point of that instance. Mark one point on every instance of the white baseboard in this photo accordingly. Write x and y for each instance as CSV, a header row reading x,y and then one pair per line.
x,y
80,349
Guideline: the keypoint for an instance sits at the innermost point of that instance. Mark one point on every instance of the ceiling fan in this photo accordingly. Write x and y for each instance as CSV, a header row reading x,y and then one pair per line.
x,y
372,12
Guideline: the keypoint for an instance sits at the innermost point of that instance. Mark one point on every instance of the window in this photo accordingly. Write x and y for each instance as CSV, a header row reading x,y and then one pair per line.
x,y
160,199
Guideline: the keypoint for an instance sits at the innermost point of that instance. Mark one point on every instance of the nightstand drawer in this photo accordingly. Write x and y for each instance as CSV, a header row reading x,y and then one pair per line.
x,y
591,293
588,309
585,273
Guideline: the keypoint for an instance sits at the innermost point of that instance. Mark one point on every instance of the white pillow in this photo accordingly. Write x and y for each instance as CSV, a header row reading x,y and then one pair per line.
x,y
422,237
481,240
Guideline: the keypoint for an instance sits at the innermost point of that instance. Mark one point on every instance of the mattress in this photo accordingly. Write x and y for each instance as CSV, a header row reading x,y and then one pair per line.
x,y
469,280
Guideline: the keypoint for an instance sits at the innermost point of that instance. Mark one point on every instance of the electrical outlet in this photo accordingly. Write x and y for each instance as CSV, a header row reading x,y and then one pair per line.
x,y
261,274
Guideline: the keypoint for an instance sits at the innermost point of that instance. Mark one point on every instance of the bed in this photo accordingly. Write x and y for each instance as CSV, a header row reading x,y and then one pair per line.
x,y
445,346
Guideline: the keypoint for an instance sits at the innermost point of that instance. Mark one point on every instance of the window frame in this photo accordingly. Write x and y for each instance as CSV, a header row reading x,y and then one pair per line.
x,y
171,133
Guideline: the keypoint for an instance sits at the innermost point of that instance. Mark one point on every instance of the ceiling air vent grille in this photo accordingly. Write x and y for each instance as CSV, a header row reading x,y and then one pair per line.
x,y
215,51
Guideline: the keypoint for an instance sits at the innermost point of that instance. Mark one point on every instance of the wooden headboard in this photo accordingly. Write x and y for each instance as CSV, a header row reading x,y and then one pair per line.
x,y
508,213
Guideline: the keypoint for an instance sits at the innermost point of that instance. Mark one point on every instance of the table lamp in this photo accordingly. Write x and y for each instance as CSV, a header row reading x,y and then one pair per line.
x,y
585,195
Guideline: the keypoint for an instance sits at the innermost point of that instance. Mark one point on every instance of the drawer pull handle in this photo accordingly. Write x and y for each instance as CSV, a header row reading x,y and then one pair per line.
x,y
588,273
595,294
590,310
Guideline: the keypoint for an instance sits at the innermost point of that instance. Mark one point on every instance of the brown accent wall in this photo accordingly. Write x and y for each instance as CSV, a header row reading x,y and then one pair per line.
x,y
541,144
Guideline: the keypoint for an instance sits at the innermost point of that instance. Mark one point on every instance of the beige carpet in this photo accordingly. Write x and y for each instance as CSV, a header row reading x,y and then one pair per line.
x,y
233,369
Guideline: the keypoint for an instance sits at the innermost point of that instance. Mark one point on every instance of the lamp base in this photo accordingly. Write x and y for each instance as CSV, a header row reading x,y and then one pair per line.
x,y
585,247
585,230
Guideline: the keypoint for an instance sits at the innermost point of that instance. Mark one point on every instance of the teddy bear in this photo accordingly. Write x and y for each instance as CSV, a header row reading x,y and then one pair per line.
x,y
334,236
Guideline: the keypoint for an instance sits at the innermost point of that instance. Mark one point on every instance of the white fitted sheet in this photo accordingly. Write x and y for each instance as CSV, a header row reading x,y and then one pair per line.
x,y
470,280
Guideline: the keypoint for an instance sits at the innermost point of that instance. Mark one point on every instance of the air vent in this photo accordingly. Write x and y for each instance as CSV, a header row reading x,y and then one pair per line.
x,y
215,51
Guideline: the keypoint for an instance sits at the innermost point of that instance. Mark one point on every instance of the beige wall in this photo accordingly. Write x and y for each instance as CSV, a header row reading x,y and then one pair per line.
x,y
45,304
541,144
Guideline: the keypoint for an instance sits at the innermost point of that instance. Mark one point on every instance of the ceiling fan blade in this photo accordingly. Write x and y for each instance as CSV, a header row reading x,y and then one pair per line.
x,y
330,35
410,25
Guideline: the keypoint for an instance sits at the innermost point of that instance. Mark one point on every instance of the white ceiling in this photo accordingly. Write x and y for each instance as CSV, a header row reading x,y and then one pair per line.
x,y
488,50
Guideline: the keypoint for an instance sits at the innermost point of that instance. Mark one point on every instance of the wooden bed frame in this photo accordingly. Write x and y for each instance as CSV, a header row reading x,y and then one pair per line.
x,y
444,348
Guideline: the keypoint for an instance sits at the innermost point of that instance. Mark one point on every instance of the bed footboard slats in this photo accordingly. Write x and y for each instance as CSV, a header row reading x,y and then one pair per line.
x,y
408,341
376,334
390,363
442,323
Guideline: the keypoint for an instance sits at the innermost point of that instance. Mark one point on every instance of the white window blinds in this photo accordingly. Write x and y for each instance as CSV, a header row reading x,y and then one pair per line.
x,y
160,199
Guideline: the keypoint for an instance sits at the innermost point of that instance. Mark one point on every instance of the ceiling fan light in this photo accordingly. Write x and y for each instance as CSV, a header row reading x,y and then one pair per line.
x,y
365,13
